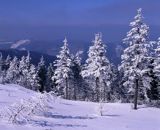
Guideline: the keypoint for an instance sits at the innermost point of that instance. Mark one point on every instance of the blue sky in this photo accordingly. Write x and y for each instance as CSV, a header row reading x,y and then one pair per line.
x,y
51,19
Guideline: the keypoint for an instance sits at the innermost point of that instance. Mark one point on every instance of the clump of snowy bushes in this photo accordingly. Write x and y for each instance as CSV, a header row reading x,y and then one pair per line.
x,y
23,111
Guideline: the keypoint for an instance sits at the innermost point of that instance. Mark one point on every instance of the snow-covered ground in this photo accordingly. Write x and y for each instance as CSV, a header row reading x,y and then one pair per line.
x,y
77,115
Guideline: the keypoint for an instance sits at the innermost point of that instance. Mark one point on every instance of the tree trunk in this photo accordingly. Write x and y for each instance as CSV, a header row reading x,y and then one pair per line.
x,y
136,95
105,91
75,91
97,88
66,89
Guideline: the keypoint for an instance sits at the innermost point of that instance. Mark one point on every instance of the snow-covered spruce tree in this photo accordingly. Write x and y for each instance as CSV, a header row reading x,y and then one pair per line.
x,y
97,70
33,79
24,69
23,72
115,88
5,68
78,86
41,74
154,93
63,71
1,69
134,59
12,73
1,62
4,65
7,62
50,85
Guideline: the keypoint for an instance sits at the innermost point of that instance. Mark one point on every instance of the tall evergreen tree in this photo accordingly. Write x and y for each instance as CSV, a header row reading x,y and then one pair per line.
x,y
134,59
33,78
24,69
50,85
42,74
12,74
1,68
98,69
1,62
155,89
115,88
63,71
4,65
7,62
78,87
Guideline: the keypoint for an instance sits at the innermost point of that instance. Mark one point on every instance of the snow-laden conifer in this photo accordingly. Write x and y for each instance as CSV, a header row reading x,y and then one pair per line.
x,y
63,71
12,73
33,78
50,85
24,68
156,89
98,69
134,58
41,74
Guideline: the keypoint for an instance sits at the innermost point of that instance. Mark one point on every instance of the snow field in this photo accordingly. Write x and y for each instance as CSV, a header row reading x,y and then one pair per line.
x,y
79,115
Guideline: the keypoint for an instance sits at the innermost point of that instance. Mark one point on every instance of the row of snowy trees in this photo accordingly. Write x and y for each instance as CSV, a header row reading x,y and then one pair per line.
x,y
137,78
91,81
67,77
23,72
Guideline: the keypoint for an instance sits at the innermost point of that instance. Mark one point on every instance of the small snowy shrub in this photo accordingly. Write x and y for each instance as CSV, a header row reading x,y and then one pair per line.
x,y
100,109
22,112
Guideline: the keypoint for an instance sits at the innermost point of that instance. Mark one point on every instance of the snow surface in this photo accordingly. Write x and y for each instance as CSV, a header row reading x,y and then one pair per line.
x,y
78,115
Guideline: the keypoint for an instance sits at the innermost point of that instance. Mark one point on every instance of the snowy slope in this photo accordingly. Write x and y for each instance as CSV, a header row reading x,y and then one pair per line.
x,y
77,115
13,93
